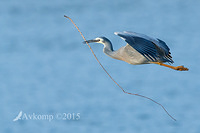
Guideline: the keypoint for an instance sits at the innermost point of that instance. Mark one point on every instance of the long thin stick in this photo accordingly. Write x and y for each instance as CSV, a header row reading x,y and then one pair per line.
x,y
111,76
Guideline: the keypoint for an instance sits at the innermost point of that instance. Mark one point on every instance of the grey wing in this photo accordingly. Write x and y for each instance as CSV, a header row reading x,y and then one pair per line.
x,y
152,49
164,50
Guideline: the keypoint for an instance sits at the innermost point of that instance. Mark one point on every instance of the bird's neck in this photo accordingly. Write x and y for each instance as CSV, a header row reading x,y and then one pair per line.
x,y
108,50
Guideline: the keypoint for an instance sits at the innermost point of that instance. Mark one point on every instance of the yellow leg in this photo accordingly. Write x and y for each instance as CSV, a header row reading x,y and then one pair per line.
x,y
178,68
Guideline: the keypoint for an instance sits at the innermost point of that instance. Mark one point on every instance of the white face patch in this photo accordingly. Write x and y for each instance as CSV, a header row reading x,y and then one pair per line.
x,y
101,40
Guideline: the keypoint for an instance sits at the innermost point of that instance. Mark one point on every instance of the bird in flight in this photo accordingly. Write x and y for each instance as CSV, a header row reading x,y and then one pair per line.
x,y
140,49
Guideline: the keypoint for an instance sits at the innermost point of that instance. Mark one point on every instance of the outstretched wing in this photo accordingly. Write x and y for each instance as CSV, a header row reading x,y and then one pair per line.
x,y
152,49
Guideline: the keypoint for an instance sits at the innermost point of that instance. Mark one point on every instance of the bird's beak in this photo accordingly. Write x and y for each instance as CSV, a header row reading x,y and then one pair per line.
x,y
91,41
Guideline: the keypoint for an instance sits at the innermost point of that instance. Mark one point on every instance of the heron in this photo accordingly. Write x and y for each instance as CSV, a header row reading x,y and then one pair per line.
x,y
140,49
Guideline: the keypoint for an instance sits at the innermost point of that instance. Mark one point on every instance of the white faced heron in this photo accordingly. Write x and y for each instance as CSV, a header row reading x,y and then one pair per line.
x,y
140,49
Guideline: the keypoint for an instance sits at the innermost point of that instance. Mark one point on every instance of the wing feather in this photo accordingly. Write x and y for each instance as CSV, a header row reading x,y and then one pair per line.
x,y
151,48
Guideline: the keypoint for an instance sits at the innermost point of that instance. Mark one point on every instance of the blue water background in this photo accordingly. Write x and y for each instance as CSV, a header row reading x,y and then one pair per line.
x,y
45,68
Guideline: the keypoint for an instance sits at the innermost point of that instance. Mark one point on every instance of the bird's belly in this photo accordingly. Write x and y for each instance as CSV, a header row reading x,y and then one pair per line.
x,y
133,57
137,61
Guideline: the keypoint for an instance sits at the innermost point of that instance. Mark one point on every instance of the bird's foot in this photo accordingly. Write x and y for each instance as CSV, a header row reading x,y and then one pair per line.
x,y
181,68
178,68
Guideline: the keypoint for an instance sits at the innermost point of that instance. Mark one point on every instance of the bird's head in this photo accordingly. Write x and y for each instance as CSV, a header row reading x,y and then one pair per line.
x,y
102,40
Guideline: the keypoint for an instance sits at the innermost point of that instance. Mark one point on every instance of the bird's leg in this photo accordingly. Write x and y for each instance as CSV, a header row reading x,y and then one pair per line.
x,y
178,68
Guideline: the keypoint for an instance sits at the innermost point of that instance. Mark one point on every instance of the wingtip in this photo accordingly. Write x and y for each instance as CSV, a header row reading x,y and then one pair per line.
x,y
116,33
119,33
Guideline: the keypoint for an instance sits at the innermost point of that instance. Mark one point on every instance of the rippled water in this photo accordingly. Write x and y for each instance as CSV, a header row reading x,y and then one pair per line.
x,y
45,68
